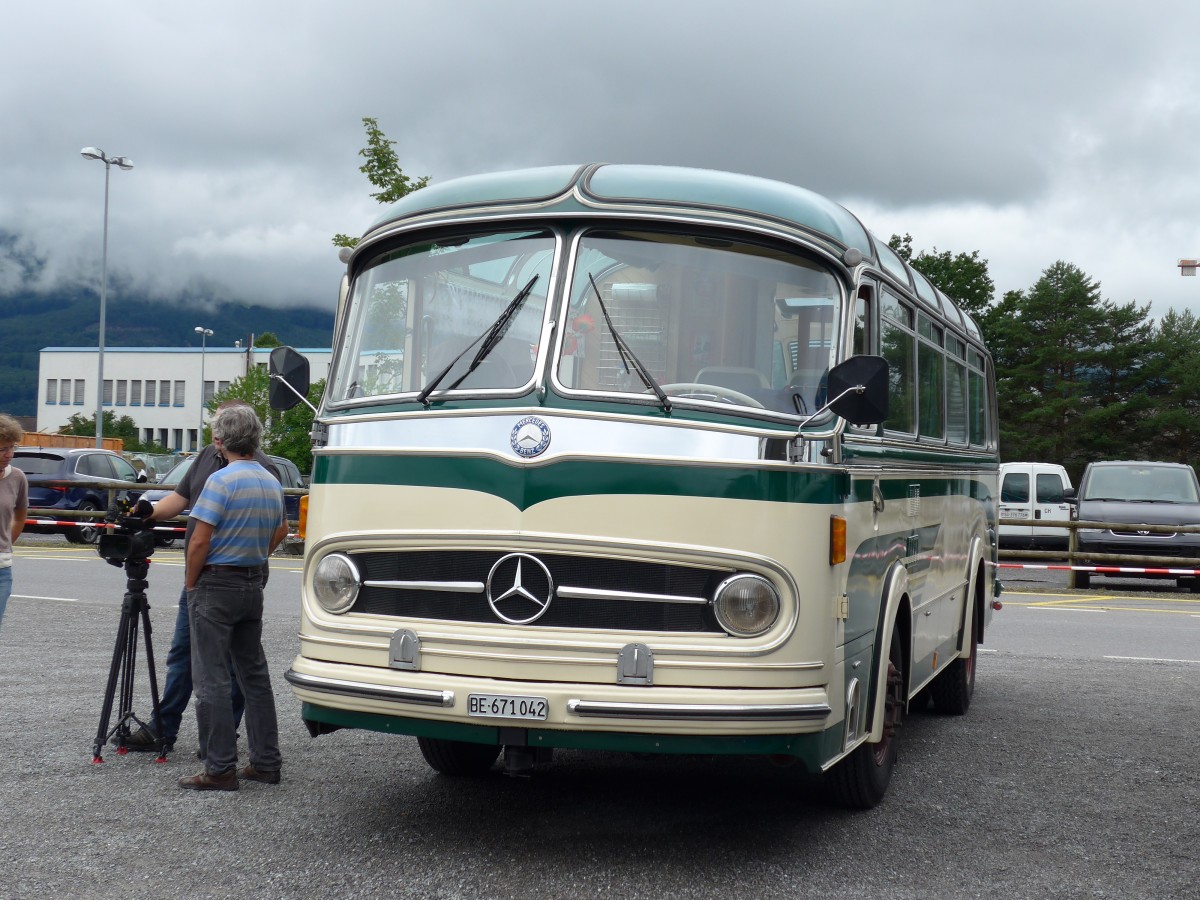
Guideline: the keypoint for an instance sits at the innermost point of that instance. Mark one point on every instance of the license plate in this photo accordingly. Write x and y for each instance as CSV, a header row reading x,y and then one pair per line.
x,y
506,706
1011,514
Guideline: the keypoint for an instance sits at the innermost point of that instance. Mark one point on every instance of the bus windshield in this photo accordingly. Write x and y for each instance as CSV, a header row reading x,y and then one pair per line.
x,y
711,319
413,310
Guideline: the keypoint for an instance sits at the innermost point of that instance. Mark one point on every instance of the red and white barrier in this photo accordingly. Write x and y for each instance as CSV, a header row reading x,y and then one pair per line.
x,y
1099,570
71,523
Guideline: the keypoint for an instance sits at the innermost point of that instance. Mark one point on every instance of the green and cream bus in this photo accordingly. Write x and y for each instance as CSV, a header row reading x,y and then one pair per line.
x,y
644,459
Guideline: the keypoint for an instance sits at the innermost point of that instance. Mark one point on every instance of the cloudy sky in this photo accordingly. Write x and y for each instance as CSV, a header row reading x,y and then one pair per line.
x,y
1030,131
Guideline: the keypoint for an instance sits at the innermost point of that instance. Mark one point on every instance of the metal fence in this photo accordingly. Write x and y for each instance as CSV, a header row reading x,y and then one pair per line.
x,y
1178,566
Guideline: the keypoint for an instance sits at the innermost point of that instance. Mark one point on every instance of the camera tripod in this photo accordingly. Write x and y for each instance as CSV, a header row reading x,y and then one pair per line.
x,y
135,611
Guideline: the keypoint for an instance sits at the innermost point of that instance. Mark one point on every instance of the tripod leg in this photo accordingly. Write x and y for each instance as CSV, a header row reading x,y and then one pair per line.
x,y
109,691
154,698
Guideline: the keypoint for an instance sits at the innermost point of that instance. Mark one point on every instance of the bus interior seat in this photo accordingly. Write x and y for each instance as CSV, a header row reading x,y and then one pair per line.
x,y
736,378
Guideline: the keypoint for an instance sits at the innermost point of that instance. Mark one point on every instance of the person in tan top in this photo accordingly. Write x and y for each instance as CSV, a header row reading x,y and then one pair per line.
x,y
14,503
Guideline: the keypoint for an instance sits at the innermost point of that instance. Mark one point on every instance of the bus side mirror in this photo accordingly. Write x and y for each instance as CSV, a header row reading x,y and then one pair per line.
x,y
859,386
289,378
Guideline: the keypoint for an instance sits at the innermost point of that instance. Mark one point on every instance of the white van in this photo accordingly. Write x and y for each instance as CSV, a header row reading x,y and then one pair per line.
x,y
1030,490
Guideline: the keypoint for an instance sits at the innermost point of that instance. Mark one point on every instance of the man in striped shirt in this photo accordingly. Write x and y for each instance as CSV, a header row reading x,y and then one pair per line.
x,y
240,520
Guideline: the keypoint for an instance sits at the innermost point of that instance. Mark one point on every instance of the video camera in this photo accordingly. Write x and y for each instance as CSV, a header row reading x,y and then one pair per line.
x,y
132,538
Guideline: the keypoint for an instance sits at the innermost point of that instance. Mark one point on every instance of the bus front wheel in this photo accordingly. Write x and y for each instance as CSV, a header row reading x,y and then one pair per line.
x,y
861,779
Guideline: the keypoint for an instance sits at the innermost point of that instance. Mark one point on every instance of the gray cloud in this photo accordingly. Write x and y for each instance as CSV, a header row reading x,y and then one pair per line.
x,y
1029,131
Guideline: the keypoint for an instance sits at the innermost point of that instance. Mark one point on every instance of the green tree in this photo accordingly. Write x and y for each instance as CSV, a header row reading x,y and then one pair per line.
x,y
290,432
1171,388
122,427
284,433
267,339
1064,363
382,168
961,276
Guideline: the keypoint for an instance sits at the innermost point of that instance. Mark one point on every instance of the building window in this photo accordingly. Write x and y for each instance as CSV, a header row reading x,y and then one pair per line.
x,y
51,391
79,386
222,386
148,435
193,442
179,395
150,393
135,393
164,395
162,437
108,391
210,390
121,387
177,433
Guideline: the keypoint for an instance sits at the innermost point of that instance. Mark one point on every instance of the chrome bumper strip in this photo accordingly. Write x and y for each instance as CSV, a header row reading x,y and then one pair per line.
x,y
368,691
698,711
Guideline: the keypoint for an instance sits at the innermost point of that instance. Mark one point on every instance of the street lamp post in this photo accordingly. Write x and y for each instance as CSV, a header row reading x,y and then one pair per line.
x,y
204,333
121,162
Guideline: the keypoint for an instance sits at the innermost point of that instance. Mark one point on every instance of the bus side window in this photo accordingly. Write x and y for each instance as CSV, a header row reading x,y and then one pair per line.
x,y
864,322
898,346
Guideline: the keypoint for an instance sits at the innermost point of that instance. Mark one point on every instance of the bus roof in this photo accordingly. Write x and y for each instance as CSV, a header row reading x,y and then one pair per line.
x,y
574,188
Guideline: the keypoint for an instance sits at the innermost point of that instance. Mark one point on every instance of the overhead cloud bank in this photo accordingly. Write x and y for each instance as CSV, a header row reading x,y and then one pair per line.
x,y
1030,132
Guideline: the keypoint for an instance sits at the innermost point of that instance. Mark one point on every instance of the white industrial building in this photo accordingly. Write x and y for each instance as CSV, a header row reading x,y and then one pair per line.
x,y
158,387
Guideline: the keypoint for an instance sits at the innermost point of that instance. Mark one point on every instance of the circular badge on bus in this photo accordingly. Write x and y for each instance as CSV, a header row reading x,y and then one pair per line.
x,y
530,437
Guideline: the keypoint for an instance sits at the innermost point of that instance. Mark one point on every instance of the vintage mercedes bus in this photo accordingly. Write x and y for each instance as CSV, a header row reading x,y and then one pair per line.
x,y
643,459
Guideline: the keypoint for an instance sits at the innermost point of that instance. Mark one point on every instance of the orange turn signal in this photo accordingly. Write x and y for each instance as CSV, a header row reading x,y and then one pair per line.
x,y
837,540
302,527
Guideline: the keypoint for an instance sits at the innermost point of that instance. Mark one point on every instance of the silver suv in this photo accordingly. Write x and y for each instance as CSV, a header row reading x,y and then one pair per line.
x,y
1140,493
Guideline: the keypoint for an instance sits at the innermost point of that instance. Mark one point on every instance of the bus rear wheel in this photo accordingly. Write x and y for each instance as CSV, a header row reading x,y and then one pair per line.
x,y
952,690
458,757
861,779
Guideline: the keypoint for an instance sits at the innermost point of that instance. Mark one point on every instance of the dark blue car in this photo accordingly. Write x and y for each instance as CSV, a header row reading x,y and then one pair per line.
x,y
46,464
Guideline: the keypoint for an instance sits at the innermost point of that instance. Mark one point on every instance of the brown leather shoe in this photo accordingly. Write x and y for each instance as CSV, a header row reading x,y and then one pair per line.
x,y
249,773
226,781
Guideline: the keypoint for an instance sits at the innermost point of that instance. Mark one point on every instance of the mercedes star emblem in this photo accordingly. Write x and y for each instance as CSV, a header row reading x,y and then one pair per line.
x,y
519,588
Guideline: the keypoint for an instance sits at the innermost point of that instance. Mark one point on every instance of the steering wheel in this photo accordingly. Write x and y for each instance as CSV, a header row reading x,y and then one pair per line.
x,y
698,391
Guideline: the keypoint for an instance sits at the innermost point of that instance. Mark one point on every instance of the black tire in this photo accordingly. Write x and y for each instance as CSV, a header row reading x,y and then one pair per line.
x,y
458,757
85,534
952,690
1083,580
164,540
861,779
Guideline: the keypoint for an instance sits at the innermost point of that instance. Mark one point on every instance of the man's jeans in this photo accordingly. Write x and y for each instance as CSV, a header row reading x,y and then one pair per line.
x,y
5,589
178,688
226,609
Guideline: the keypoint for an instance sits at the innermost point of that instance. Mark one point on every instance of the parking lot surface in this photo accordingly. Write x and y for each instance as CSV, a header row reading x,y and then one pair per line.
x,y
1072,775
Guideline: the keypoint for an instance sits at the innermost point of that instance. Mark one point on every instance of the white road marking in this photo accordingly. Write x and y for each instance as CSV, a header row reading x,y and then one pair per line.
x,y
31,597
1190,662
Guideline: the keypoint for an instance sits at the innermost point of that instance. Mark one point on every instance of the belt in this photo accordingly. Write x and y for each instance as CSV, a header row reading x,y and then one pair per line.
x,y
230,570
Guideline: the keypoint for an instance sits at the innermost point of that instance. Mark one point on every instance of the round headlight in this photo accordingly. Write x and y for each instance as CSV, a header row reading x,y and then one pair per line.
x,y
335,582
746,605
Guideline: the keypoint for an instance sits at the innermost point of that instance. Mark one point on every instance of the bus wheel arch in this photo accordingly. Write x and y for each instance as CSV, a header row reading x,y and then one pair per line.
x,y
861,778
952,690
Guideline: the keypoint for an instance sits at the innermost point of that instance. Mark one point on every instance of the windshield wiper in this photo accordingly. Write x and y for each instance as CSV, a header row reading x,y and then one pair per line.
x,y
628,356
489,338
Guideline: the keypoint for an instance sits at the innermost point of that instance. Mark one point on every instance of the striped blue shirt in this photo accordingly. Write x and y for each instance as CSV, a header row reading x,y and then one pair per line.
x,y
244,504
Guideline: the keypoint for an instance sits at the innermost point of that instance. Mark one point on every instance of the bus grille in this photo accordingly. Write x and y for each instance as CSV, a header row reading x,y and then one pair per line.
x,y
436,571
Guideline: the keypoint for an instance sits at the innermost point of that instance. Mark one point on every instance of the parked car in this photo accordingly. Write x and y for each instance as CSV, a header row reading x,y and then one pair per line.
x,y
45,464
289,476
1031,490
1140,493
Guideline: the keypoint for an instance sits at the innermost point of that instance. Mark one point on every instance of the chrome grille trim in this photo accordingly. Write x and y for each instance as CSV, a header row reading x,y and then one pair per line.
x,y
581,593
455,587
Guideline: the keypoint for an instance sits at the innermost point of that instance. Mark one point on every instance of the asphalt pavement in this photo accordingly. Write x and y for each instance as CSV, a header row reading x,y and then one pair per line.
x,y
1072,775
